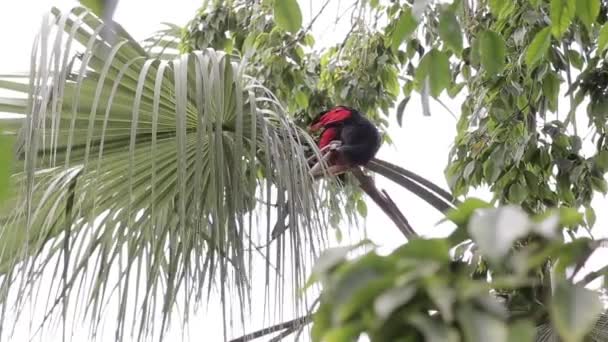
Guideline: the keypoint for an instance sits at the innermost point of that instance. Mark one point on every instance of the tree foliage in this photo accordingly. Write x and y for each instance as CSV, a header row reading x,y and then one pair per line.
x,y
514,63
514,135
524,70
389,298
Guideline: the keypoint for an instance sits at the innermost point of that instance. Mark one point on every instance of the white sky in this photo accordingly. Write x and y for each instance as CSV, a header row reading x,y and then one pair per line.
x,y
422,145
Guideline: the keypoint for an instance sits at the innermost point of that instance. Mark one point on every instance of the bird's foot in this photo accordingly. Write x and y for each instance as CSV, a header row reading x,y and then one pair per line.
x,y
334,145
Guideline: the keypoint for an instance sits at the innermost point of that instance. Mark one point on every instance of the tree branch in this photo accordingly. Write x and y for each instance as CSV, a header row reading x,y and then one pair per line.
x,y
385,203
438,198
433,194
593,275
285,333
419,179
289,325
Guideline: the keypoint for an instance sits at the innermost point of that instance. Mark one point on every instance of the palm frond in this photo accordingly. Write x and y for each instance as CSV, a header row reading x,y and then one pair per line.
x,y
139,178
165,43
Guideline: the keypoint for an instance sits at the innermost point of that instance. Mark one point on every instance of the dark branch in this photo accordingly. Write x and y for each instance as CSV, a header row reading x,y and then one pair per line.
x,y
291,326
398,212
441,203
285,333
419,179
593,275
385,203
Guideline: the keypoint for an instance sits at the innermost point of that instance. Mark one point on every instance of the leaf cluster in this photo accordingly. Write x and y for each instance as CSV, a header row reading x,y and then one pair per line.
x,y
479,284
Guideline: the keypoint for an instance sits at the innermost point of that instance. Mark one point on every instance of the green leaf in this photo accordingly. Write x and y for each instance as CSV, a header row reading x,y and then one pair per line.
x,y
570,217
287,15
495,230
551,84
482,327
599,184
390,81
362,208
329,259
587,11
570,254
468,170
455,89
539,46
359,285
97,6
517,193
501,9
602,40
425,249
496,6
302,99
574,310
601,160
492,52
6,162
309,40
433,330
405,26
475,52
450,32
391,300
590,216
461,215
332,257
435,67
401,110
443,296
562,13
522,331
347,332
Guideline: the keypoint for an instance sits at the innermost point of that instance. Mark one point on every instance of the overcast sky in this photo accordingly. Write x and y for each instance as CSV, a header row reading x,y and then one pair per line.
x,y
422,145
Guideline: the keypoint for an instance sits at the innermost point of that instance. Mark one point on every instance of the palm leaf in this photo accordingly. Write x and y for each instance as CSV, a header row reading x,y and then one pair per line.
x,y
138,178
165,43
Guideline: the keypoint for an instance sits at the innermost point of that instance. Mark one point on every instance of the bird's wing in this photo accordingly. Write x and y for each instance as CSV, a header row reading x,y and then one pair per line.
x,y
333,116
328,135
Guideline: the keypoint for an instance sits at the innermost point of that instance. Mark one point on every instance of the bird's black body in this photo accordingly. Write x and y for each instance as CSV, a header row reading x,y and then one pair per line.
x,y
360,139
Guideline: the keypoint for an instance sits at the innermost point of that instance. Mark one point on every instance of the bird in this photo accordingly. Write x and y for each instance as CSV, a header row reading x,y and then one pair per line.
x,y
348,139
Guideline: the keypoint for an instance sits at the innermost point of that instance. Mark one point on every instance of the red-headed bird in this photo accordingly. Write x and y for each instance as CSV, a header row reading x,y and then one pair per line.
x,y
348,140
